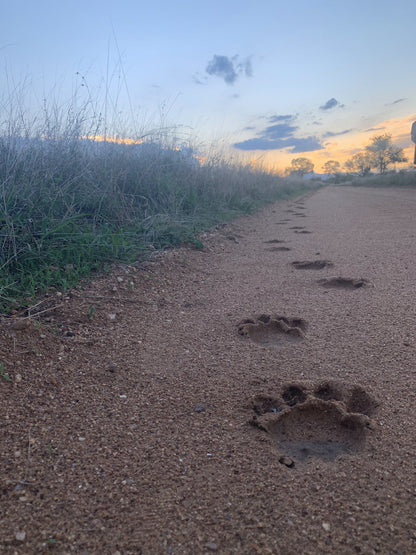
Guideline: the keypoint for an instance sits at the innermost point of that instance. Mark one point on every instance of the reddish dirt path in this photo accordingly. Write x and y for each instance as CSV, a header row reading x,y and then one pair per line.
x,y
126,426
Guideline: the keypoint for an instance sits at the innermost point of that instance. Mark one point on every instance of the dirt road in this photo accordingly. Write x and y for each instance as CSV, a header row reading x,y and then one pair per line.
x,y
224,400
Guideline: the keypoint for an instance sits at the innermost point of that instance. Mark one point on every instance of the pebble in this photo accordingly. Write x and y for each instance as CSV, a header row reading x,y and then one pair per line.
x,y
199,408
326,526
287,461
211,546
20,536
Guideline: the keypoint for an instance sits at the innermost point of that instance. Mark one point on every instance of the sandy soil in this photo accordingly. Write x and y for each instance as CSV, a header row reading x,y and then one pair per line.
x,y
224,400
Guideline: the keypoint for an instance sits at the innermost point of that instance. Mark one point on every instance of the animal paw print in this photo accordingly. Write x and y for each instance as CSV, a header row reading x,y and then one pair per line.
x,y
268,329
321,421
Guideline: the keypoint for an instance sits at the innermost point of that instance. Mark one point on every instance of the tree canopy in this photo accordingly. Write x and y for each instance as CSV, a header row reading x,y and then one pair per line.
x,y
360,163
300,167
331,167
383,152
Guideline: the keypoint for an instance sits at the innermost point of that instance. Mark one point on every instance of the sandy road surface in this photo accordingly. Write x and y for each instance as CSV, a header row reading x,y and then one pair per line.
x,y
171,409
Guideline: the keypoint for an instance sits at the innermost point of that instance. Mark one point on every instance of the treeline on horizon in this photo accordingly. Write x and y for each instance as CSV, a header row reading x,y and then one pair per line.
x,y
378,155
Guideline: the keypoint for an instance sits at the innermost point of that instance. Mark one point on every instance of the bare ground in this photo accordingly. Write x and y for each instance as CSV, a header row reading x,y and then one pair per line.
x,y
224,400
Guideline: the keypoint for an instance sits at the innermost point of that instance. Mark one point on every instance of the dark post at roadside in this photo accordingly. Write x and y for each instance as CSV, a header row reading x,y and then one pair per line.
x,y
413,135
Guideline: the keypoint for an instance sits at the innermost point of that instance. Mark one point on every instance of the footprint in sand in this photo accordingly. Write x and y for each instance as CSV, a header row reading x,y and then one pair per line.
x,y
343,283
274,330
322,420
311,264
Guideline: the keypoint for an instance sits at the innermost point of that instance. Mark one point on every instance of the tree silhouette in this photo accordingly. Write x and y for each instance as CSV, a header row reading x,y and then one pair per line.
x,y
300,167
383,152
331,167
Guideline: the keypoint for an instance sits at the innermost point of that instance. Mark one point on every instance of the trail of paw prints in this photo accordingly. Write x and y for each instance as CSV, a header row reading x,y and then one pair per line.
x,y
268,329
323,420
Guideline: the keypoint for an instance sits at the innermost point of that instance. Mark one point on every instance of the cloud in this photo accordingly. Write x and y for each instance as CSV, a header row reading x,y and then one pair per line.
x,y
280,136
374,129
306,144
395,102
229,69
287,117
260,144
198,79
279,131
331,103
332,134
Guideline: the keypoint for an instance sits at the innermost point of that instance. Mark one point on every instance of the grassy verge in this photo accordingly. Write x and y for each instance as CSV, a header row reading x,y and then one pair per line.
x,y
70,205
402,178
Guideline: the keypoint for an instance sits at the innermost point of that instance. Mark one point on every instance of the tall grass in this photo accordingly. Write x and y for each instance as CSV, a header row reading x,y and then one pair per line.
x,y
70,202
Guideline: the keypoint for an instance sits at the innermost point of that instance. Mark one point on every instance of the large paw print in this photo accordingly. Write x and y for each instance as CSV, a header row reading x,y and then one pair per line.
x,y
316,421
268,329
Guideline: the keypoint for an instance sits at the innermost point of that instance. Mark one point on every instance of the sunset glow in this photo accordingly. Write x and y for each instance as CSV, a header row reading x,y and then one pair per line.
x,y
308,80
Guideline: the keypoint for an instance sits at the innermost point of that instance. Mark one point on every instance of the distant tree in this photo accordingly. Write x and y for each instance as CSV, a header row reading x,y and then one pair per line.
x,y
360,163
331,167
300,167
383,152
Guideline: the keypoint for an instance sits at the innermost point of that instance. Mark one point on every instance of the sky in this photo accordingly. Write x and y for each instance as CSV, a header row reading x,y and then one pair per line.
x,y
260,81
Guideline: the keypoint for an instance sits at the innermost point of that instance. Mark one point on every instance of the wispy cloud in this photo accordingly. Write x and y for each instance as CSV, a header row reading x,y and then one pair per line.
x,y
286,117
331,103
335,134
228,68
395,102
372,129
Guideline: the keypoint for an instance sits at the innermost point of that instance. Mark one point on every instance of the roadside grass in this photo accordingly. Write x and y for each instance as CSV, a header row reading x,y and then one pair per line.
x,y
71,203
401,178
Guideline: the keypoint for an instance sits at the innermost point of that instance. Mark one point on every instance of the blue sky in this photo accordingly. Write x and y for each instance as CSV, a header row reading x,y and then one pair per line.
x,y
269,80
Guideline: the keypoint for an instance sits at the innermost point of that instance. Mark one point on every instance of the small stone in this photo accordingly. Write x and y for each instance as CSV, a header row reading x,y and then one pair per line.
x,y
120,279
18,378
199,408
112,317
287,461
20,536
211,546
326,526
